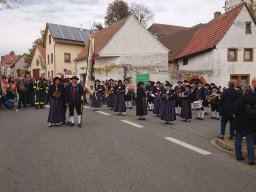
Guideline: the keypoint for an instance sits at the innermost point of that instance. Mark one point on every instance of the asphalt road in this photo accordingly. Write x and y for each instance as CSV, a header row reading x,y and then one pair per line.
x,y
108,154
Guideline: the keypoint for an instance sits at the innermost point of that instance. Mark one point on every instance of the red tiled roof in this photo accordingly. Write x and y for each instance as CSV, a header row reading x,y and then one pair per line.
x,y
9,59
163,30
177,42
41,50
102,37
210,35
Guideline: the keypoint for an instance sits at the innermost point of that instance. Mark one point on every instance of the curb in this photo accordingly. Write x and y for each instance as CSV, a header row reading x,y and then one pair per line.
x,y
228,147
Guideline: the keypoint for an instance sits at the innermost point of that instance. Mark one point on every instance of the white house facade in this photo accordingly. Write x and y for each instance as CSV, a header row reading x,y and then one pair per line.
x,y
131,52
233,57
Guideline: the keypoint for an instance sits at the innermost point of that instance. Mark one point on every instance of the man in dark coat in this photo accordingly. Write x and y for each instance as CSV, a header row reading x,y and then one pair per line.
x,y
141,103
74,98
254,86
227,101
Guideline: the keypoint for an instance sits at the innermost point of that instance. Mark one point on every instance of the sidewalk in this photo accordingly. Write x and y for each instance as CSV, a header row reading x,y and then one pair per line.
x,y
229,145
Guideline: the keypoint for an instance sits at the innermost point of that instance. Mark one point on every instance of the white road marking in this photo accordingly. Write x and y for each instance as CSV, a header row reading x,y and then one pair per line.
x,y
103,113
131,123
188,146
86,107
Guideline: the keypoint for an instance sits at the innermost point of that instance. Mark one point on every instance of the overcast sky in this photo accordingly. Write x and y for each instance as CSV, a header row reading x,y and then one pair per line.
x,y
20,26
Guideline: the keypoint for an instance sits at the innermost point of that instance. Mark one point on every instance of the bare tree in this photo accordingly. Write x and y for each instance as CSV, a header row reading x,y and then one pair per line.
x,y
8,4
142,13
116,11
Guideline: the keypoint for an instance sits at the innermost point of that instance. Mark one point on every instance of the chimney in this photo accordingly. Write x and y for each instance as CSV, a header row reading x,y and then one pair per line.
x,y
217,14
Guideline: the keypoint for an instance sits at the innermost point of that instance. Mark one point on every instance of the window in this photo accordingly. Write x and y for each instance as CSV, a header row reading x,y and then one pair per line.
x,y
232,55
67,57
185,61
50,39
248,28
48,74
52,58
37,62
48,59
52,74
241,79
248,55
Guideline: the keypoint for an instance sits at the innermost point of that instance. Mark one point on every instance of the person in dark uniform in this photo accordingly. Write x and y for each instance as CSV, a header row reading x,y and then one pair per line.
x,y
97,95
74,98
57,95
119,105
110,94
214,101
201,96
186,104
40,88
157,93
141,103
178,100
65,85
167,113
193,88
150,95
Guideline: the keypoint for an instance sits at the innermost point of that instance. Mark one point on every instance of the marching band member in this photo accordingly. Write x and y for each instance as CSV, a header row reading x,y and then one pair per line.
x,y
119,105
201,96
97,95
214,100
141,103
56,93
186,104
110,94
74,98
65,85
193,94
178,100
157,92
167,113
150,95
129,91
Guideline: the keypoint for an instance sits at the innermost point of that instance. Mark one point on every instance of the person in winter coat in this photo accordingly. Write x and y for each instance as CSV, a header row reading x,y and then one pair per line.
x,y
227,101
244,123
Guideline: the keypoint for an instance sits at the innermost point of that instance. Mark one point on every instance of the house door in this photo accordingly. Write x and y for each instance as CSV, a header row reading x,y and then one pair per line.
x,y
36,73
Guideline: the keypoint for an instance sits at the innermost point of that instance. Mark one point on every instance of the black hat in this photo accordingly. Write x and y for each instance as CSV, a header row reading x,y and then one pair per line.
x,y
215,87
207,84
212,84
74,77
185,81
158,82
179,82
152,83
120,81
97,80
168,84
66,80
55,79
111,80
140,83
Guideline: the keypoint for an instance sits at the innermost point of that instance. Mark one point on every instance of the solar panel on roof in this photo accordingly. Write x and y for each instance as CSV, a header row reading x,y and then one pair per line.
x,y
68,33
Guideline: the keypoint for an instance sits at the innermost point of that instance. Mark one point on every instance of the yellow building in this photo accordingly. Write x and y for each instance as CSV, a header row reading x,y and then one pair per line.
x,y
62,46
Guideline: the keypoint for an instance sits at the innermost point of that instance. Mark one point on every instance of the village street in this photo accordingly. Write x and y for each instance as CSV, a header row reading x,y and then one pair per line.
x,y
109,154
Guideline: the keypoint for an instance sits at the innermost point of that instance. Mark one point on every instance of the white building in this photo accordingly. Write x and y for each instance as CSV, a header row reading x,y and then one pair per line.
x,y
230,4
221,50
126,49
38,63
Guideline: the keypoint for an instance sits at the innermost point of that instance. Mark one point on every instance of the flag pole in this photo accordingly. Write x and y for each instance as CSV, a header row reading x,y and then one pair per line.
x,y
85,80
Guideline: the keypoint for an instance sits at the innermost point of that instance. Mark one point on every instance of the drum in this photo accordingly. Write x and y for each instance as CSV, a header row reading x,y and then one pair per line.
x,y
198,104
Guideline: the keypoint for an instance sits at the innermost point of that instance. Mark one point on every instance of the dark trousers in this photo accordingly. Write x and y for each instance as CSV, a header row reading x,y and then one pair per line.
x,y
73,106
250,145
31,98
224,122
22,98
40,97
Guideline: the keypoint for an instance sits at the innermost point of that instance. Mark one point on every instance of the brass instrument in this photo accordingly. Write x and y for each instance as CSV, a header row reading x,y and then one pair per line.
x,y
57,94
213,97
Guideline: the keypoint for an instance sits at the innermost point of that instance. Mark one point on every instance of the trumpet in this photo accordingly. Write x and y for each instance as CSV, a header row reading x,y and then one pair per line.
x,y
213,97
57,94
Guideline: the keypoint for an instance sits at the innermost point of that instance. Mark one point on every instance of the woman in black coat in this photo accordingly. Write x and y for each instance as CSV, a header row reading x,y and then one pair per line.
x,y
141,103
245,123
56,94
